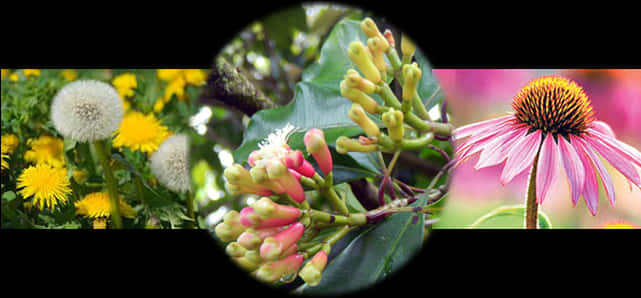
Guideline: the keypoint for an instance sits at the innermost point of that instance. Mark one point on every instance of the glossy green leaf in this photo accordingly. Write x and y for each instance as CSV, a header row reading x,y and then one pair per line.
x,y
373,255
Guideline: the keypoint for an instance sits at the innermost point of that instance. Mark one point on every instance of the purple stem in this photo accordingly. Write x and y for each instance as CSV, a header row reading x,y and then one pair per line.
x,y
439,150
390,189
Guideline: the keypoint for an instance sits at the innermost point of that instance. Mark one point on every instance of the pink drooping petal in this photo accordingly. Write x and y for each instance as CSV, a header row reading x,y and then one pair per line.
x,y
475,128
521,156
547,168
616,159
573,168
494,152
603,128
297,175
475,144
603,173
591,186
626,150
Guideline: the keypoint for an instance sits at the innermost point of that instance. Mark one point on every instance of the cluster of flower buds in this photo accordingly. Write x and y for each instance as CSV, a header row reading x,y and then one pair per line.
x,y
394,113
277,169
262,239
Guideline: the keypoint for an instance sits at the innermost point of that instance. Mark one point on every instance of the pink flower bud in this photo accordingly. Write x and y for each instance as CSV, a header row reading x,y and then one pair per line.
x,y
274,246
272,272
252,238
266,208
306,169
297,175
289,251
259,176
293,159
390,37
278,172
312,271
249,218
315,144
253,157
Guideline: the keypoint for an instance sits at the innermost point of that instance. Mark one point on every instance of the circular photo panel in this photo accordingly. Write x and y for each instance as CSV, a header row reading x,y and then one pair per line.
x,y
330,149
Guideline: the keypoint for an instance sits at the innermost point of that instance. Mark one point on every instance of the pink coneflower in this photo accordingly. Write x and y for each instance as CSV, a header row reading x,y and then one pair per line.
x,y
552,127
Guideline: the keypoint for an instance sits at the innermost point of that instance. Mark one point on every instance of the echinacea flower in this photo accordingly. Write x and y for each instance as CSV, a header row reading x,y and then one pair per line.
x,y
46,149
170,163
97,205
552,127
86,111
47,185
140,132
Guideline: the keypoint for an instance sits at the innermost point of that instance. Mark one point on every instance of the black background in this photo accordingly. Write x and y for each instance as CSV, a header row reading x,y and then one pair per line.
x,y
189,35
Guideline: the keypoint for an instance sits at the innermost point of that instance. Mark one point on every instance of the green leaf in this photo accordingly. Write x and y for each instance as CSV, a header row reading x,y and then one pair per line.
x,y
429,89
373,255
317,104
8,196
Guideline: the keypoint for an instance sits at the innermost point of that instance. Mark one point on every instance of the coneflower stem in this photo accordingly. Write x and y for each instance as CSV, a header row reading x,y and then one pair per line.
x,y
101,150
190,209
531,207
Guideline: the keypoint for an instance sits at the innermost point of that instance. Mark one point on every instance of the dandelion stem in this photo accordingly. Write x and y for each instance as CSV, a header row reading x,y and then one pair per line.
x,y
190,209
101,150
531,207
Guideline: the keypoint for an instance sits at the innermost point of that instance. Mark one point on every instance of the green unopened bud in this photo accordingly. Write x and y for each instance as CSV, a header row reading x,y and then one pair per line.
x,y
393,119
376,46
246,263
354,80
227,232
259,176
345,144
266,208
360,55
407,46
237,174
371,30
357,114
312,271
235,250
357,96
412,74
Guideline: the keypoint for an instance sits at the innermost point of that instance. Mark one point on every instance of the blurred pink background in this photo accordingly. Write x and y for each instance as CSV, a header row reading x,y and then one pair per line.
x,y
480,94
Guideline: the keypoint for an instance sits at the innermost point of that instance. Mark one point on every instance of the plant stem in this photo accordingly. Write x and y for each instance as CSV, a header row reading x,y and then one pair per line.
x,y
190,209
419,108
531,207
336,202
419,143
101,150
394,60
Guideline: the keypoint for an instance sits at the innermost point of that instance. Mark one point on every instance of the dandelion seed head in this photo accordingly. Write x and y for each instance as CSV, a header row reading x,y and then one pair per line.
x,y
170,164
87,111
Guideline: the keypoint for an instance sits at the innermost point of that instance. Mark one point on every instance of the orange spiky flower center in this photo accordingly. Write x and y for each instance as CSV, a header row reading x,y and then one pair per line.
x,y
554,105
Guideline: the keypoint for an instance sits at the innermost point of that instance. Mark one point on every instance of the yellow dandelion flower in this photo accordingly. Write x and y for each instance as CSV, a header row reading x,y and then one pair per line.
x,y
69,74
96,205
31,72
9,143
14,77
175,87
5,73
5,163
195,77
47,150
159,105
168,75
47,185
140,132
125,84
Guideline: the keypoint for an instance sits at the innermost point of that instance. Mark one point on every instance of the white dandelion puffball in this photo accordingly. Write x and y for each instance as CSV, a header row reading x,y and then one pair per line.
x,y
170,164
87,111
